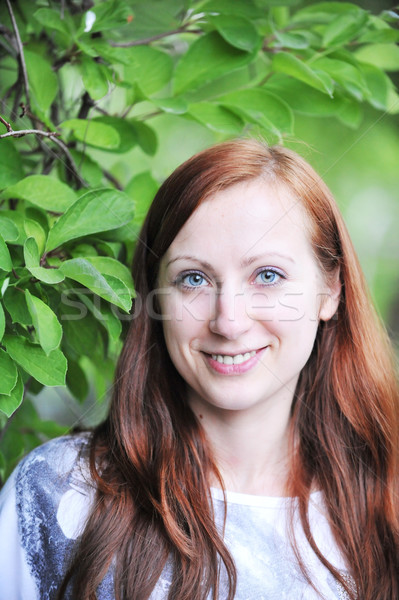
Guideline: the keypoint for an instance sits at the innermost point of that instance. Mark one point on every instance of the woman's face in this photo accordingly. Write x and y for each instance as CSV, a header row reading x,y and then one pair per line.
x,y
241,298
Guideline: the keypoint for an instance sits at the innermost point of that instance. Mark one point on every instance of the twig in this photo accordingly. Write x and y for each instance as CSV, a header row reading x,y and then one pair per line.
x,y
53,136
153,38
8,126
71,161
22,132
21,52
112,179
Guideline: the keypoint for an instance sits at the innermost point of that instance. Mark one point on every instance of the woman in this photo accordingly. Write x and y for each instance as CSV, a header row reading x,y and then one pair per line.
x,y
258,367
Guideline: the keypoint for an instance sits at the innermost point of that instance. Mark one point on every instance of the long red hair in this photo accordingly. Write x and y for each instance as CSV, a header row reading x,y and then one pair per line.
x,y
151,462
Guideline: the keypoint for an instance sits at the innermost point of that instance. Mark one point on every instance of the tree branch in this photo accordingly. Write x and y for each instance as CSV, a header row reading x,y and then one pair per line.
x,y
21,52
159,36
22,132
53,136
112,179
72,164
8,126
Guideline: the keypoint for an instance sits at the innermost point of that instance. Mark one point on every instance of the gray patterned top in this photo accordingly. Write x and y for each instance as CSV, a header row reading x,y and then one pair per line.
x,y
44,505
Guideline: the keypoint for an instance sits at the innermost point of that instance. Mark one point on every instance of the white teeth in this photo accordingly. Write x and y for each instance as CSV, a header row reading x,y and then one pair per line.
x,y
233,360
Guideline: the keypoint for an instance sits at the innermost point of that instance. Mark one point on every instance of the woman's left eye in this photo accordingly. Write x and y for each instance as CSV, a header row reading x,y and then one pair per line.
x,y
268,277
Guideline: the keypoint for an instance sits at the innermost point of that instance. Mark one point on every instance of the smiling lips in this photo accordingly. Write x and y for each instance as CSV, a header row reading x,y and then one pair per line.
x,y
234,364
233,360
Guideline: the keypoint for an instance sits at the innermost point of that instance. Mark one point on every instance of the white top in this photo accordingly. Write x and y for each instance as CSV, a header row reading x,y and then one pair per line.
x,y
45,502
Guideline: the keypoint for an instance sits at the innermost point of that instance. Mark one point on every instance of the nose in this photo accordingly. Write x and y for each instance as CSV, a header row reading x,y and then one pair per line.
x,y
230,319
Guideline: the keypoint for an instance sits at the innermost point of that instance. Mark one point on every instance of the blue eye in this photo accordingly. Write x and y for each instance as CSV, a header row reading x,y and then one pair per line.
x,y
192,280
268,277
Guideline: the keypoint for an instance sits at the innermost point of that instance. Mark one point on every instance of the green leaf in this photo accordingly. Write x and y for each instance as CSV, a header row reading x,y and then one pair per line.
x,y
39,215
142,189
237,31
109,266
379,36
15,303
2,321
302,98
8,373
293,66
89,169
93,133
94,77
175,106
152,18
11,165
42,79
263,107
47,326
33,229
97,210
17,218
146,137
106,286
379,85
5,258
81,331
47,369
76,381
8,230
52,20
346,75
240,8
208,58
297,41
10,403
383,56
109,14
344,28
43,191
126,131
99,47
149,67
32,262
324,12
216,118
351,113
104,314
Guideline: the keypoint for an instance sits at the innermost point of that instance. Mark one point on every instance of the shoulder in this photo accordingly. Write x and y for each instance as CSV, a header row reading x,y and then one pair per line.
x,y
43,509
51,478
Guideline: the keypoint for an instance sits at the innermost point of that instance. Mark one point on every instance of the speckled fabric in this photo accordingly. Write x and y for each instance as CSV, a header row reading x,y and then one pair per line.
x,y
44,505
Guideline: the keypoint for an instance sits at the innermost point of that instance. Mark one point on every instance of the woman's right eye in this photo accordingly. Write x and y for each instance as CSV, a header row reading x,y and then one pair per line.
x,y
192,280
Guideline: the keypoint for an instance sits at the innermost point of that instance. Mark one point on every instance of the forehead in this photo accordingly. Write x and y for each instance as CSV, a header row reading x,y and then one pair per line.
x,y
248,217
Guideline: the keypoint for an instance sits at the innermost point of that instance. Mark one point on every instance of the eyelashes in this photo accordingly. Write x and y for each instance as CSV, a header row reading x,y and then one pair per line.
x,y
264,277
190,280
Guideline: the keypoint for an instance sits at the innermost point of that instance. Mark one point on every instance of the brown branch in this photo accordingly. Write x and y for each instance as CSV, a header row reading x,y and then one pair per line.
x,y
8,126
21,52
72,164
22,132
112,179
53,136
159,36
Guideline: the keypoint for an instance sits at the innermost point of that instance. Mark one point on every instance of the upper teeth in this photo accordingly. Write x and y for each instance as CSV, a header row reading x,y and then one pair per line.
x,y
233,360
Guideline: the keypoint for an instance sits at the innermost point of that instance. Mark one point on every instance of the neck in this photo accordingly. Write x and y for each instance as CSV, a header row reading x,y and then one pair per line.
x,y
250,450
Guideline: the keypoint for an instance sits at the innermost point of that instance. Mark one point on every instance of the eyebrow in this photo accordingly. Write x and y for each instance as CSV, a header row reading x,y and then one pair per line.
x,y
245,262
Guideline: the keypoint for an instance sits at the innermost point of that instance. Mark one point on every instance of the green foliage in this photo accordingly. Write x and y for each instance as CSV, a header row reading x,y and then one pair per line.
x,y
90,79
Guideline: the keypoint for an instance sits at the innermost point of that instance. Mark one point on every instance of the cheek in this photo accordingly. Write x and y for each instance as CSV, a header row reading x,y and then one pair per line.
x,y
295,307
186,308
184,315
